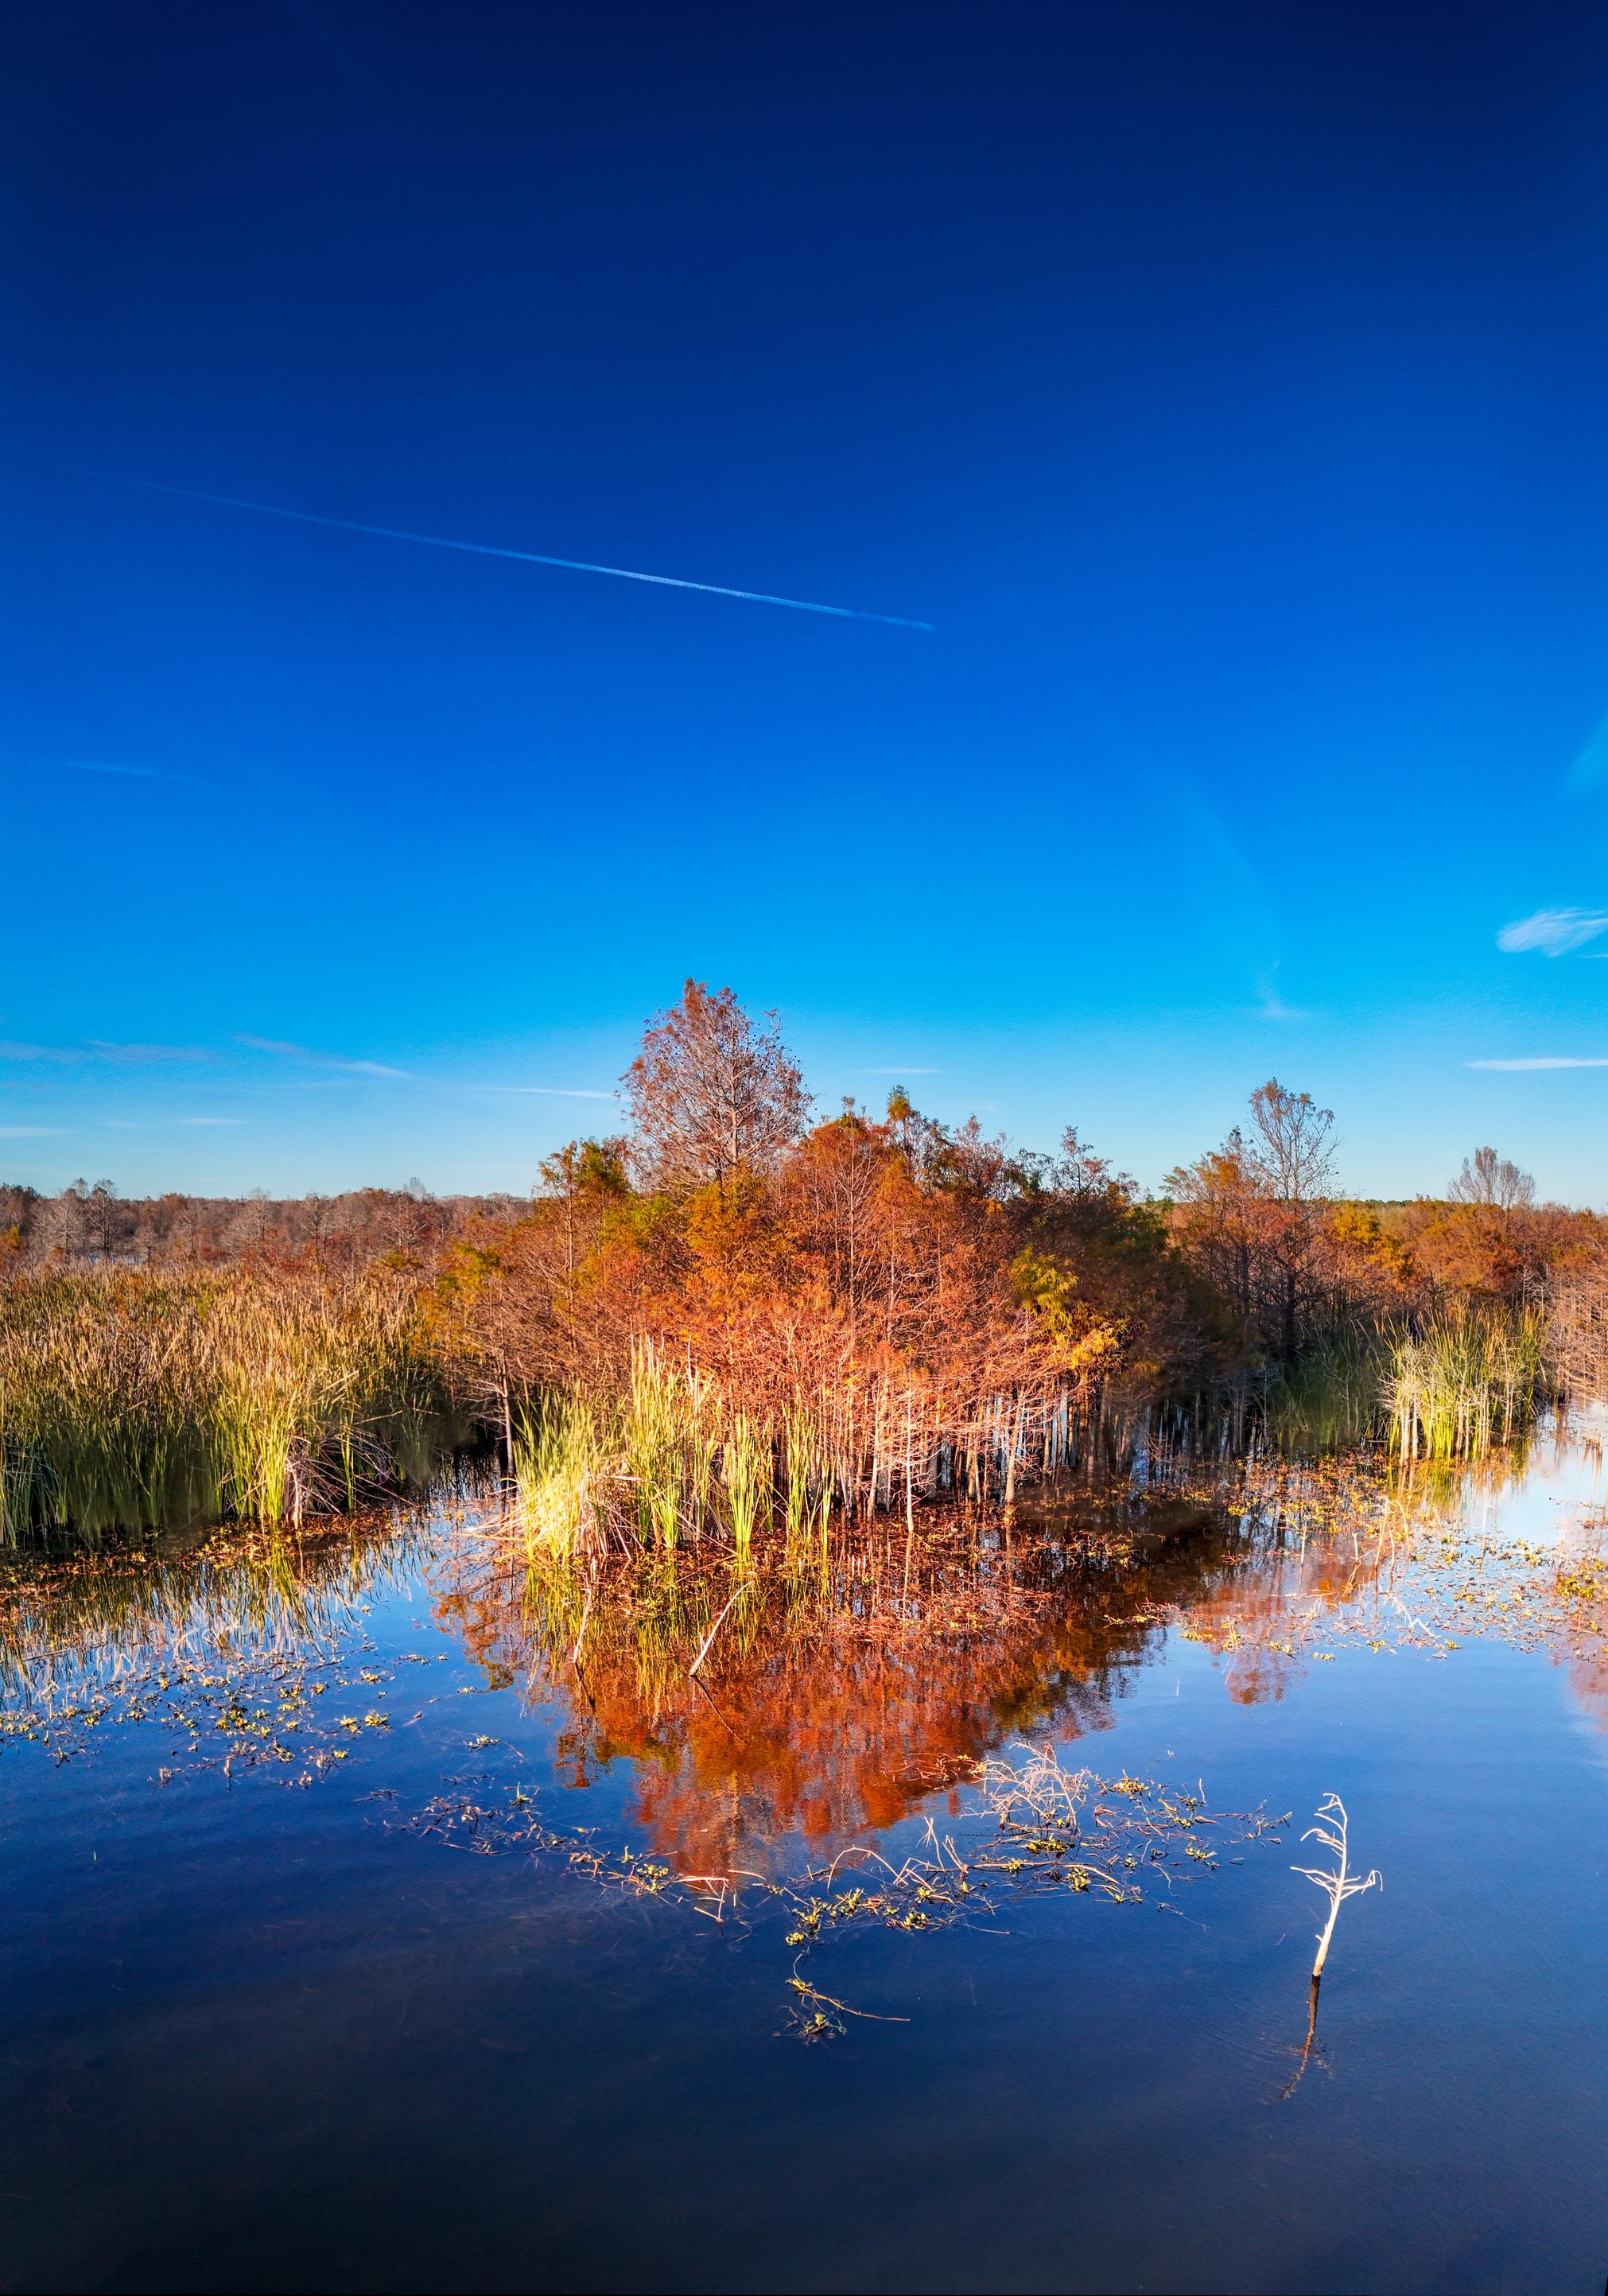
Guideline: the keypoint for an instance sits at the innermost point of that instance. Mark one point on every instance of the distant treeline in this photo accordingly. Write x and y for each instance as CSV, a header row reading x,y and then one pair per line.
x,y
91,1225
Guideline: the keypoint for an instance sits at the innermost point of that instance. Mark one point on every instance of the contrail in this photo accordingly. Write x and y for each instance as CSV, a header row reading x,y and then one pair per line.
x,y
527,557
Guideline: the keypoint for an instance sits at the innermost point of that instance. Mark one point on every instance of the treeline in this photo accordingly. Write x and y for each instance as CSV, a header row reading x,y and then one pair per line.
x,y
731,1306
769,1247
1293,1262
91,1225
772,1252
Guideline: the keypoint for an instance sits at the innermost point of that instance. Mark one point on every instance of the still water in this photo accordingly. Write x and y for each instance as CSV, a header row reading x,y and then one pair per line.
x,y
359,1935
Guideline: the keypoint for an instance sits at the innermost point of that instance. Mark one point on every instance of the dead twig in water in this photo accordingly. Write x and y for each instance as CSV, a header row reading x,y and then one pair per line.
x,y
710,1637
1341,1883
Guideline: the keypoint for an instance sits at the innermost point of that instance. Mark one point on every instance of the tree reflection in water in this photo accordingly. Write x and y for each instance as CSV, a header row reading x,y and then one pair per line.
x,y
846,1685
842,1684
847,1682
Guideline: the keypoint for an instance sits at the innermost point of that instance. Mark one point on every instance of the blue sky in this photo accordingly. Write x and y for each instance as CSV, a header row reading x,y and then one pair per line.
x,y
1223,386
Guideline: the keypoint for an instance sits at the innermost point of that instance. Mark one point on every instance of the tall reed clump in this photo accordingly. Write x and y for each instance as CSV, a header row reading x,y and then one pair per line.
x,y
569,1476
662,1426
1466,1380
668,1460
676,1454
804,1475
745,1473
131,1398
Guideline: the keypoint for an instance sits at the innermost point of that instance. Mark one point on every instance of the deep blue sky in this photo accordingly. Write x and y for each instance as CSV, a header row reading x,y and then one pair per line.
x,y
1226,385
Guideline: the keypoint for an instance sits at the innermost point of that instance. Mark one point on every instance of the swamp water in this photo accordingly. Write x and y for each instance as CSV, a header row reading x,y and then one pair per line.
x,y
936,1931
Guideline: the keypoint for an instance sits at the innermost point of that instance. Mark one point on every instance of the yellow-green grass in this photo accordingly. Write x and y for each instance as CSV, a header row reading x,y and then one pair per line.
x,y
134,1397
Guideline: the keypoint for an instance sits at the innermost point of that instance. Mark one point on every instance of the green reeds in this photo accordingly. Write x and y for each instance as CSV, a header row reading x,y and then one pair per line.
x,y
680,1456
1463,1381
800,1470
569,1478
137,1397
661,1435
745,1473
674,1460
130,1399
1466,1380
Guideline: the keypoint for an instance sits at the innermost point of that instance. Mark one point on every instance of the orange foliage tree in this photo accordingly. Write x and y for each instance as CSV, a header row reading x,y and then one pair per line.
x,y
916,1289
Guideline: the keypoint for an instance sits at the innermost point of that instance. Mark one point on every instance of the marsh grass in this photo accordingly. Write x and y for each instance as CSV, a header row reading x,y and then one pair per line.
x,y
1467,1382
129,1399
138,1397
569,1478
670,1460
677,1455
1454,1386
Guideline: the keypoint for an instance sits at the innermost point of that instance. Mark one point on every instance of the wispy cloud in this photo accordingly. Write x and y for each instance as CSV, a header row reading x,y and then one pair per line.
x,y
98,1049
138,1054
28,1131
1271,1006
320,1059
1555,932
551,1091
527,557
1240,911
160,1123
1547,1060
112,765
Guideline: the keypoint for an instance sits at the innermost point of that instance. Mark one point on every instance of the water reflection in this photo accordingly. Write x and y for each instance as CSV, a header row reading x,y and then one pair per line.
x,y
260,2003
844,1686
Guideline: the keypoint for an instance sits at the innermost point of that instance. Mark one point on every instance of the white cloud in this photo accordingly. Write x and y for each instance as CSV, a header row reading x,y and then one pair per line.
x,y
318,1059
1553,931
98,1048
1546,1061
1273,1007
127,1053
108,766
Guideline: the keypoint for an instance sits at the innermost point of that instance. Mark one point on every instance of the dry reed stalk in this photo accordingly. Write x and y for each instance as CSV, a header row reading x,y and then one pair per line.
x,y
1341,1883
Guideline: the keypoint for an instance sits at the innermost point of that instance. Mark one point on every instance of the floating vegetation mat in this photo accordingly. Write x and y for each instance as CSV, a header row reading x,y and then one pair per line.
x,y
227,1650
1347,1553
1028,1826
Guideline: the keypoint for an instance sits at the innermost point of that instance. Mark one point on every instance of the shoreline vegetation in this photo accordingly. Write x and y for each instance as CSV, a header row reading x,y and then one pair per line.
x,y
732,1319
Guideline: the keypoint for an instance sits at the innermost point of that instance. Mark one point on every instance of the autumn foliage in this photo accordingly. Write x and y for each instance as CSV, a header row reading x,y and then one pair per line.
x,y
913,1286
734,1305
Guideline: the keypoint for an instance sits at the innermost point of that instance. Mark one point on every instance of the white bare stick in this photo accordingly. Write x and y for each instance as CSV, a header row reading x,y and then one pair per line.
x,y
586,1619
1341,1883
709,1638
